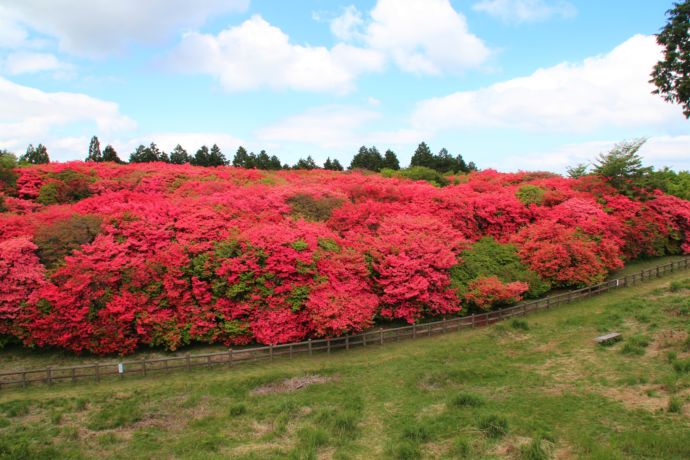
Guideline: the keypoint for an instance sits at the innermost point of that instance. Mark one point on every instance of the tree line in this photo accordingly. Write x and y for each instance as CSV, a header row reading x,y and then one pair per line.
x,y
368,158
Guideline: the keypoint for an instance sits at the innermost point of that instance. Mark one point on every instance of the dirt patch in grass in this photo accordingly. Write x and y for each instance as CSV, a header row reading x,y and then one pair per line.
x,y
636,397
291,385
509,447
548,346
665,340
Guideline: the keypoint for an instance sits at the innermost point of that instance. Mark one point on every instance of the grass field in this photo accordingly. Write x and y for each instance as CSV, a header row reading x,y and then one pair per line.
x,y
533,388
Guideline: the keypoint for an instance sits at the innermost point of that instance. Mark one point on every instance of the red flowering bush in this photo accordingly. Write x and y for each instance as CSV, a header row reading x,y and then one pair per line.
x,y
107,258
488,291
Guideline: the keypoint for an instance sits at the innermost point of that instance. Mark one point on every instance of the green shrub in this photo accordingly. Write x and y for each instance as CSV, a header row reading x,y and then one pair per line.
x,y
493,426
487,257
534,451
311,208
466,400
530,194
8,177
238,409
66,186
519,324
681,366
675,405
418,173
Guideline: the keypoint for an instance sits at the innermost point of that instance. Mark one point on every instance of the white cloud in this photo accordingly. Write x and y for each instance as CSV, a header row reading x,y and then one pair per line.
x,y
658,151
337,127
347,25
424,36
30,115
517,11
326,127
18,63
257,54
601,92
96,28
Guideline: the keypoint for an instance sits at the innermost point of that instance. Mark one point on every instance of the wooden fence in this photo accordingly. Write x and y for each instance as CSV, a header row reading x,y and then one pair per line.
x,y
233,357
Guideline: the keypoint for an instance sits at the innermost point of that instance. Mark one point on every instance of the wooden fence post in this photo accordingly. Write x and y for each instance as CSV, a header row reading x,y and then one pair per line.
x,y
381,335
49,375
270,351
309,347
328,345
414,330
474,320
143,367
188,358
347,342
364,339
23,379
290,351
230,363
98,372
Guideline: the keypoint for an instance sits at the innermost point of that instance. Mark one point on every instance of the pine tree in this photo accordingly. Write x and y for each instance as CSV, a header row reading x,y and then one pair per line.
x,y
308,164
216,157
336,165
94,150
202,157
263,161
35,156
241,158
390,160
327,165
179,155
109,154
275,163
367,158
423,157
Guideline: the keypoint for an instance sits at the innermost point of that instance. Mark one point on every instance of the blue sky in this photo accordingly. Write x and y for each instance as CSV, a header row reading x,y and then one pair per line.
x,y
509,84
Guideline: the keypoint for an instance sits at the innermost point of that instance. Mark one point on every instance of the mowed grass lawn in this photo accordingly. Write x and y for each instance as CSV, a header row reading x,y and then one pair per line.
x,y
533,388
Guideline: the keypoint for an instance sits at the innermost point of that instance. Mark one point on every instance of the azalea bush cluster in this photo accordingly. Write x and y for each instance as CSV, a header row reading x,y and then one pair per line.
x,y
106,258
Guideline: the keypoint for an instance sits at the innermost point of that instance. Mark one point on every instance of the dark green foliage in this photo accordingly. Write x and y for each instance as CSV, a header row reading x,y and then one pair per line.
x,y
179,156
622,166
530,194
307,164
35,156
238,409
493,426
66,186
390,160
315,209
466,400
418,173
487,257
263,161
671,75
148,154
332,165
243,160
442,162
682,366
109,154
206,157
8,178
675,405
367,158
519,324
635,345
423,156
578,170
216,157
94,150
59,239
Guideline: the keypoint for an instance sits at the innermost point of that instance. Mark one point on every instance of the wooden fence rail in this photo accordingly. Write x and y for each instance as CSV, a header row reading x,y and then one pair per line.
x,y
233,357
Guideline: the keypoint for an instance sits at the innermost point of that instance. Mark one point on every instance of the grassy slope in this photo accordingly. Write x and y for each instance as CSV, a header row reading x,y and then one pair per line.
x,y
558,393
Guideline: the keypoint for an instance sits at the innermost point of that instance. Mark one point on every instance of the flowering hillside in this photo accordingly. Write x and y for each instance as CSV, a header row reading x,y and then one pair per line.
x,y
106,258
